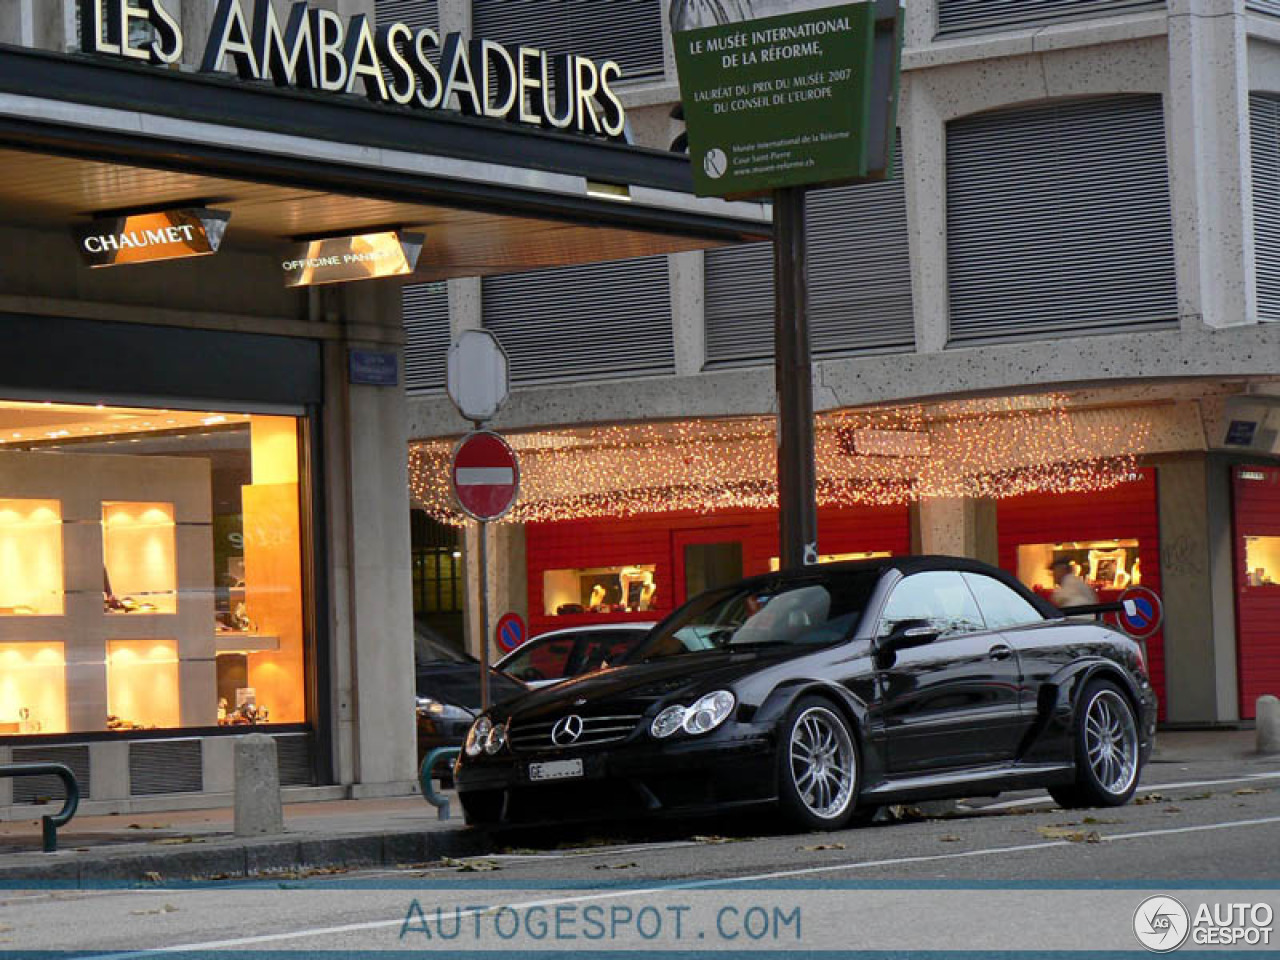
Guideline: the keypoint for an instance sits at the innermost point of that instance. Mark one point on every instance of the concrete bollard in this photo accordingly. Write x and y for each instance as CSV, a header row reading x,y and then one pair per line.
x,y
258,808
1268,721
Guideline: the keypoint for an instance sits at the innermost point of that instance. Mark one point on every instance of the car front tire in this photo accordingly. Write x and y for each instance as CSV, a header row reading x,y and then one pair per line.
x,y
818,766
1106,749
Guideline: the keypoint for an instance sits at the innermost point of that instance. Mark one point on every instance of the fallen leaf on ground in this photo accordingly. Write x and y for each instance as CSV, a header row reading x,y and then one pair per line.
x,y
1149,798
1093,820
615,866
822,846
167,908
714,839
518,851
949,838
1172,809
149,826
171,841
1246,791
1074,836
471,866
151,876
1197,796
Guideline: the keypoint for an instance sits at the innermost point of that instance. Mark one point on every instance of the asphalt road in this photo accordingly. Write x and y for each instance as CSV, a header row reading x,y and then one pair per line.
x,y
985,867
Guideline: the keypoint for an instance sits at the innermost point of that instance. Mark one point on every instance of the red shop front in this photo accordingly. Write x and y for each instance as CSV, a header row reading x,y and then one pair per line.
x,y
1111,537
641,568
1257,581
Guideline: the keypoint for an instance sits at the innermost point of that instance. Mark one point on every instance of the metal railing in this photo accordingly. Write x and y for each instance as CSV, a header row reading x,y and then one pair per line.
x,y
50,823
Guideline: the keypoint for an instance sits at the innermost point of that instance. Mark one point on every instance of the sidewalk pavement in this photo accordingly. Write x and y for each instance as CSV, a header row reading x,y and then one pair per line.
x,y
189,845
348,834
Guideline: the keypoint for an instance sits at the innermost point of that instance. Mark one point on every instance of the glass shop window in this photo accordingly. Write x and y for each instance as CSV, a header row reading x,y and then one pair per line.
x,y
622,589
1106,565
150,569
1262,561
775,563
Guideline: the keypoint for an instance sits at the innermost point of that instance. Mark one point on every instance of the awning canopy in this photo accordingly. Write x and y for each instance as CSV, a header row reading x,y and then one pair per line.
x,y
80,136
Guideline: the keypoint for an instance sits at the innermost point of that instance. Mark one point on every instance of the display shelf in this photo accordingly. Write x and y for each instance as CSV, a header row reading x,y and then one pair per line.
x,y
33,688
142,682
233,641
139,558
31,580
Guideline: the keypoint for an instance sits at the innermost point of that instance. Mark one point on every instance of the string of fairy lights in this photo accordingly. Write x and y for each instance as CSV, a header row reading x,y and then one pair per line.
x,y
879,456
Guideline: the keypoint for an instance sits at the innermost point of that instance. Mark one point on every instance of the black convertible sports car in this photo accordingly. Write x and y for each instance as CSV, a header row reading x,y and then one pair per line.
x,y
828,691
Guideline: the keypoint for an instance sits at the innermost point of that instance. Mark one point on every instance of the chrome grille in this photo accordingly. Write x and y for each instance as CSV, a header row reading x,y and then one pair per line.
x,y
595,731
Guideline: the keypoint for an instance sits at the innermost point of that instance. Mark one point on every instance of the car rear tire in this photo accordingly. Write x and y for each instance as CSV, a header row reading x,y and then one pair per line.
x,y
1106,750
818,766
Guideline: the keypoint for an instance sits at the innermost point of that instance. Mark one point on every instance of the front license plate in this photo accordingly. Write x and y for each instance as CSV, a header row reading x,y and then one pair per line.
x,y
556,770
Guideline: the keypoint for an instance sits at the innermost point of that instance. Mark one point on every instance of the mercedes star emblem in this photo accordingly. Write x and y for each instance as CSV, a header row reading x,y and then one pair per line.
x,y
567,730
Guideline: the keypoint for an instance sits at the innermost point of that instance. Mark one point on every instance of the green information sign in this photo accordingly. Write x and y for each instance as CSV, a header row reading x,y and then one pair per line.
x,y
779,102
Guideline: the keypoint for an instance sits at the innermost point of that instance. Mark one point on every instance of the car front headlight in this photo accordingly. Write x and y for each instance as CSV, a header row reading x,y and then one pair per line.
x,y
668,722
436,710
704,716
709,712
496,740
477,736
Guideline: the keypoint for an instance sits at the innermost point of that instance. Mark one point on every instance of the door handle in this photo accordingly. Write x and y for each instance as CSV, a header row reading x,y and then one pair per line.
x,y
1000,651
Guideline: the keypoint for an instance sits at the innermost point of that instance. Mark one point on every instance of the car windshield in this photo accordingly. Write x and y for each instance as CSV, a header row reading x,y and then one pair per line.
x,y
797,612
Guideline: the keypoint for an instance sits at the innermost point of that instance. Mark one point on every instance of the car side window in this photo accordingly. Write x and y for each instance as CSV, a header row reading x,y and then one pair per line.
x,y
541,661
604,648
937,596
1001,606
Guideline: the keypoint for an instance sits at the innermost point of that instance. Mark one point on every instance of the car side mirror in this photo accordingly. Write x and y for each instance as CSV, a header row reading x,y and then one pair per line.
x,y
910,633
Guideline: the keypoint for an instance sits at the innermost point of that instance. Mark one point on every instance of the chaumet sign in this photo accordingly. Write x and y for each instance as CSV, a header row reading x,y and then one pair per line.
x,y
390,63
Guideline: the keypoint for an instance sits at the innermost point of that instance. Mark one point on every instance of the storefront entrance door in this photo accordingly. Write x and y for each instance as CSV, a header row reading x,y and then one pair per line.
x,y
707,558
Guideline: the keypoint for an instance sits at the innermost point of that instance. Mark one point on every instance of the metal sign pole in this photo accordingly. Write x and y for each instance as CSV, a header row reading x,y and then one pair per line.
x,y
484,615
793,370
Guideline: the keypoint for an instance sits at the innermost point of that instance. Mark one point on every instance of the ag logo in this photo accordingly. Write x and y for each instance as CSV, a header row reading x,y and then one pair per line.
x,y
715,163
1161,924
567,730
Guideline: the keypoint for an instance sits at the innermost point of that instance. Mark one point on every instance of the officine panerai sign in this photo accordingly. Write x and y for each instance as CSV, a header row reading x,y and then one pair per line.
x,y
391,63
147,237
366,256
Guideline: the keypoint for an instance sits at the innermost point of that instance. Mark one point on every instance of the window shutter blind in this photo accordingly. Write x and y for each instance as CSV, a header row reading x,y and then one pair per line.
x,y
592,322
414,13
1265,6
428,336
1058,220
628,31
859,279
1264,131
956,16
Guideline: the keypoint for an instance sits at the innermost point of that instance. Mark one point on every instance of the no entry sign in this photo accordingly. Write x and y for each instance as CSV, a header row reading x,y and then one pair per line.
x,y
486,475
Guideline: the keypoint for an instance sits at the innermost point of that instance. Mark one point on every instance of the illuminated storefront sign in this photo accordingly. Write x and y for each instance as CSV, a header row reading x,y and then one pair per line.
x,y
368,256
148,237
392,63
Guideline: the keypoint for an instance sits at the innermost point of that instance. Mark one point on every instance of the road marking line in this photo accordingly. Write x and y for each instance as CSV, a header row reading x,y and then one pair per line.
x,y
688,885
1047,800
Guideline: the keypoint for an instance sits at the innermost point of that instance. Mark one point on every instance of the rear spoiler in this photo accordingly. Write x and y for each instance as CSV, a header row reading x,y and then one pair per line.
x,y
1095,609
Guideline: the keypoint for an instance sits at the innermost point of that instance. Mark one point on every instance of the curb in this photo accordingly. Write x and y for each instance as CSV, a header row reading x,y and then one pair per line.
x,y
240,859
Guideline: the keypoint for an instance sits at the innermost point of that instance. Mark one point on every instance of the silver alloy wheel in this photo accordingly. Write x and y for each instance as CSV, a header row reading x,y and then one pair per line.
x,y
823,763
1111,739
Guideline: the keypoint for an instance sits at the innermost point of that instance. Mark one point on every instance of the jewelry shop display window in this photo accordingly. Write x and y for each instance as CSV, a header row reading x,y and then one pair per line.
x,y
151,572
630,588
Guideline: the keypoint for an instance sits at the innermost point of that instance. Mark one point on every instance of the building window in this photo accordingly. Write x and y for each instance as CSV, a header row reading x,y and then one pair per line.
x,y
150,569
619,589
859,280
959,16
425,309
627,31
1264,131
1059,220
599,321
417,14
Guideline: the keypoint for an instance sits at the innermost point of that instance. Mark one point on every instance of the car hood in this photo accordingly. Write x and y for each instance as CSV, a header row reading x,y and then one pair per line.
x,y
634,688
